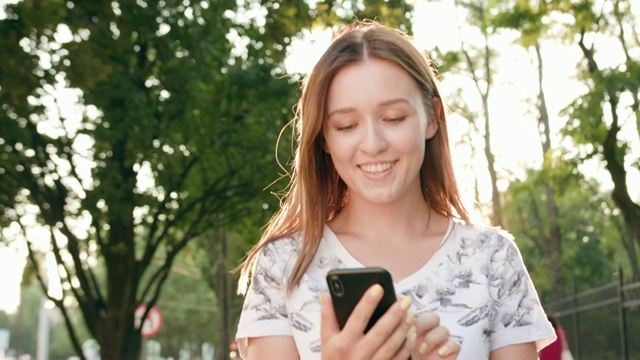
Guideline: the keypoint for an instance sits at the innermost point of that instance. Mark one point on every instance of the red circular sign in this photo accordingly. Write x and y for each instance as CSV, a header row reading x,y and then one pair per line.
x,y
152,323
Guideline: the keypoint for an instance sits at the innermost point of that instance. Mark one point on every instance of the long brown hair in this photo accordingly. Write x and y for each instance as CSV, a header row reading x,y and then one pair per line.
x,y
316,193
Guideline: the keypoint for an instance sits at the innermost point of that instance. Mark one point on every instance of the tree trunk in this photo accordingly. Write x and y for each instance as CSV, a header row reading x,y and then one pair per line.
x,y
224,295
615,165
631,250
219,282
496,206
117,336
614,162
115,331
496,214
554,233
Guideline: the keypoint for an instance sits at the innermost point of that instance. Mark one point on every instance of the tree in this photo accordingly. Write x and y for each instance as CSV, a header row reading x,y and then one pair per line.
x,y
474,60
611,102
123,134
159,146
589,120
530,19
591,235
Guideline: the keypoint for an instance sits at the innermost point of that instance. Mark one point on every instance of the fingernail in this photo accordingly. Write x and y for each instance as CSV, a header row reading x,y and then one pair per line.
x,y
443,351
320,297
376,290
411,336
423,348
410,317
406,302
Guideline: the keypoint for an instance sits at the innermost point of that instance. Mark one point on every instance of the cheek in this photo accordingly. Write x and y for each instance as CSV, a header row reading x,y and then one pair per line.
x,y
339,155
328,145
338,145
410,141
340,151
414,149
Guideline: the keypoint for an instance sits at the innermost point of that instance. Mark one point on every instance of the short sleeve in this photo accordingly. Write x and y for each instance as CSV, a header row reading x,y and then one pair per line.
x,y
264,312
520,317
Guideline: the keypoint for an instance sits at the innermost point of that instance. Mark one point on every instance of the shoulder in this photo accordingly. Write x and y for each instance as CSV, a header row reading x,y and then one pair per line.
x,y
280,252
284,245
482,228
482,234
274,264
483,244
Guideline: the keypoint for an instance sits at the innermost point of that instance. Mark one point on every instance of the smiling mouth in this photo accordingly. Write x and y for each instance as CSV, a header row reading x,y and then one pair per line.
x,y
377,168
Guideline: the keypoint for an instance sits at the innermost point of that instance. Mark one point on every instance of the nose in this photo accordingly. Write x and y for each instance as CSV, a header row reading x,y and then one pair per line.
x,y
374,140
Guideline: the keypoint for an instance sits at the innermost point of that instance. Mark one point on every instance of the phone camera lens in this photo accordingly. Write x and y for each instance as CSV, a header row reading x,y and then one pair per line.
x,y
336,287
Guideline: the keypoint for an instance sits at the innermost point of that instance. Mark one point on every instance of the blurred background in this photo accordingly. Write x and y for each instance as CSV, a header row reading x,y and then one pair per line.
x,y
138,158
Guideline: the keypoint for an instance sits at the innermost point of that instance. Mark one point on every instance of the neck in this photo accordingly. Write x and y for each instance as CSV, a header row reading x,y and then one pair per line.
x,y
400,220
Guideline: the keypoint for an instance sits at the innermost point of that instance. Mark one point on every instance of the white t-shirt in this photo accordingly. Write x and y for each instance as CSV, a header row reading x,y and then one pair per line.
x,y
476,282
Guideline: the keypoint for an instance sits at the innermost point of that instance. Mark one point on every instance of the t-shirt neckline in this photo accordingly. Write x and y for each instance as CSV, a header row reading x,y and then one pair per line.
x,y
351,262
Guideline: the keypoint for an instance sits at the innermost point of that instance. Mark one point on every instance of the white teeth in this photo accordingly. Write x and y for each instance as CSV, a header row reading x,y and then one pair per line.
x,y
376,168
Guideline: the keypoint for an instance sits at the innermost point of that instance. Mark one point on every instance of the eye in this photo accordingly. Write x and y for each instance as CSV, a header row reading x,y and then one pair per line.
x,y
395,119
345,127
344,124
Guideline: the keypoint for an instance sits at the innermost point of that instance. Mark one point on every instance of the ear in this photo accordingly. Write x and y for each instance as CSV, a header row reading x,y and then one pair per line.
x,y
432,125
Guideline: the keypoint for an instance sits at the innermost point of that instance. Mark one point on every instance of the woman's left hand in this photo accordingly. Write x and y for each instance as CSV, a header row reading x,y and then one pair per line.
x,y
433,340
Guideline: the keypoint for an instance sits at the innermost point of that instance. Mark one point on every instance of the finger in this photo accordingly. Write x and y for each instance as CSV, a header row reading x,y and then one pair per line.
x,y
449,350
328,322
391,332
426,321
433,341
405,351
362,312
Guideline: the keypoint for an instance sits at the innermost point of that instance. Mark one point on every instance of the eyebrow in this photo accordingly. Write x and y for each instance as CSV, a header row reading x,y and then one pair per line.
x,y
380,105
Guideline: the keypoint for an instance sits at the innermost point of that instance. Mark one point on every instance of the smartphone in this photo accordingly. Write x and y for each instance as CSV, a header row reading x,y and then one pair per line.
x,y
348,285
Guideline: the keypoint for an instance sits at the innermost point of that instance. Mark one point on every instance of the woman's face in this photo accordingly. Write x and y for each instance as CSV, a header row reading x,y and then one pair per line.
x,y
375,131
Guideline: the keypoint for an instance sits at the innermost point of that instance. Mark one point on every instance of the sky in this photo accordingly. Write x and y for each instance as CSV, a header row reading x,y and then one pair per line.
x,y
516,141
11,264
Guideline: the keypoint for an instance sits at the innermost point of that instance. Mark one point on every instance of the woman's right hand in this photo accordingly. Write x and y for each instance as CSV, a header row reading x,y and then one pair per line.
x,y
391,338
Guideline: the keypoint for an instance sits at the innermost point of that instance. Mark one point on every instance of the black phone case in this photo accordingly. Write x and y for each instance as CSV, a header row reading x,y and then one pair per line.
x,y
348,285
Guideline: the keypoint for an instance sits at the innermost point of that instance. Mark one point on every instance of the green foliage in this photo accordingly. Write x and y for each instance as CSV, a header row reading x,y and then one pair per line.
x,y
188,309
23,326
585,114
589,124
171,132
587,219
60,346
395,13
175,122
522,17
448,61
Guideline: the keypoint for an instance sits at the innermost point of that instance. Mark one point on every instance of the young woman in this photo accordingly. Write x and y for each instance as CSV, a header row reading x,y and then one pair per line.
x,y
373,185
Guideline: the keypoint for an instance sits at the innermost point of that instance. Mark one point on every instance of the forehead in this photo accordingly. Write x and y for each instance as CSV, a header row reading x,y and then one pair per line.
x,y
369,83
